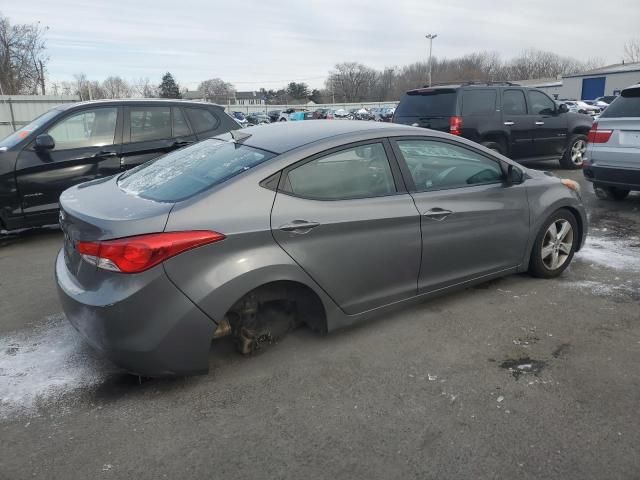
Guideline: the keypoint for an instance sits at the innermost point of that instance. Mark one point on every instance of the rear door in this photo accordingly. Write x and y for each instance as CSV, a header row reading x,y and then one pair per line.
x,y
517,123
549,127
472,224
151,131
87,146
346,219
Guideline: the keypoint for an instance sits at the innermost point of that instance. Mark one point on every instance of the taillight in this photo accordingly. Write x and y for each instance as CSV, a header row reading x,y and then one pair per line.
x,y
455,125
598,136
139,253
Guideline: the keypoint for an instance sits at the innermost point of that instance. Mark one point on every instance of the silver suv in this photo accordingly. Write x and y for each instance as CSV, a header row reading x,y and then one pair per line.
x,y
613,152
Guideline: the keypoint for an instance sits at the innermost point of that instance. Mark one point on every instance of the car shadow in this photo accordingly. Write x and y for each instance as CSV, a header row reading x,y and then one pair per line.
x,y
8,238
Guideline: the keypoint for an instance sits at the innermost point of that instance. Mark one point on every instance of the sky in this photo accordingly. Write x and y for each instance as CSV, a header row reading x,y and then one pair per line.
x,y
269,43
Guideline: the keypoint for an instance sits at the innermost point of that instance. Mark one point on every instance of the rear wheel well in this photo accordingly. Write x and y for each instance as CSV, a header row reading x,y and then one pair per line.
x,y
306,303
498,138
580,130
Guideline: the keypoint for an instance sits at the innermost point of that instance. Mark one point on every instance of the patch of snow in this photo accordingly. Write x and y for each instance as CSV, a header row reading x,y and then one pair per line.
x,y
602,289
613,253
42,365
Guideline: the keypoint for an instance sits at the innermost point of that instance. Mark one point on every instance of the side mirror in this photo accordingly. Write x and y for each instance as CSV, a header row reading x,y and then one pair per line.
x,y
45,142
562,108
512,175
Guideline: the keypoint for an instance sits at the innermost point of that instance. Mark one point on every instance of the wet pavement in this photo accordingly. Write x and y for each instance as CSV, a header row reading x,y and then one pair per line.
x,y
516,378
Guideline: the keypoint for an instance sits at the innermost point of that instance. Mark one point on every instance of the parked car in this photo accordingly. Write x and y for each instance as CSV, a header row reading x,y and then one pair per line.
x,y
383,114
521,123
285,114
341,114
321,113
258,118
77,142
607,99
241,119
274,115
613,153
315,223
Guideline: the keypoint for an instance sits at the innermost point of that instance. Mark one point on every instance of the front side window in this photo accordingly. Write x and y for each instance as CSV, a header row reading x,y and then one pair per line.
x,y
439,166
541,104
513,102
90,128
191,170
357,172
150,123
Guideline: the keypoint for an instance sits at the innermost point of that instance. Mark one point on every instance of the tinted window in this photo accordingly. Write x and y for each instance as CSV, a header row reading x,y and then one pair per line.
x,y
202,120
150,123
478,102
19,135
541,104
427,103
357,172
90,128
180,126
625,105
513,102
438,166
185,172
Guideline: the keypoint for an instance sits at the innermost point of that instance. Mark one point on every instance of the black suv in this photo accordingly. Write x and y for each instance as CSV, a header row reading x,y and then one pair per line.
x,y
77,142
521,123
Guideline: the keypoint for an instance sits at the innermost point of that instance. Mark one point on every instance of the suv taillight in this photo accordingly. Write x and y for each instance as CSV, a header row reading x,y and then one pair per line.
x,y
455,125
139,253
598,136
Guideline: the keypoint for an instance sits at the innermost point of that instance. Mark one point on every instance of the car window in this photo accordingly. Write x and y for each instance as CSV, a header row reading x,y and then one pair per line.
x,y
478,102
513,102
541,104
180,126
202,119
19,135
150,123
357,172
625,105
427,102
89,128
188,171
438,166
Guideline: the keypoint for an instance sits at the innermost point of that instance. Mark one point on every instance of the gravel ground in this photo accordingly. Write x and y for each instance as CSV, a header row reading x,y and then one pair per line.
x,y
516,378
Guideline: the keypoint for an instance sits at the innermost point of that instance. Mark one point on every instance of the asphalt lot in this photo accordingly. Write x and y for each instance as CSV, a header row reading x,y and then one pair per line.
x,y
422,393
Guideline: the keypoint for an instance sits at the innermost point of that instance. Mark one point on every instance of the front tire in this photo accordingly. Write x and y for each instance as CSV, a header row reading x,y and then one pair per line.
x,y
555,245
610,193
574,154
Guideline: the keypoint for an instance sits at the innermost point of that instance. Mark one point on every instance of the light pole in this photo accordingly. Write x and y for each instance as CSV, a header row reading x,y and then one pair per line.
x,y
430,37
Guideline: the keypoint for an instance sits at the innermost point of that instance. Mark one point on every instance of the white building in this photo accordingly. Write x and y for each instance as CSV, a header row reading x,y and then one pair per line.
x,y
609,80
249,98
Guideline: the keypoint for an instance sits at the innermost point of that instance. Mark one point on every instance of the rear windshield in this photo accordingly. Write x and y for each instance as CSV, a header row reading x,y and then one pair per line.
x,y
440,102
625,105
186,172
24,132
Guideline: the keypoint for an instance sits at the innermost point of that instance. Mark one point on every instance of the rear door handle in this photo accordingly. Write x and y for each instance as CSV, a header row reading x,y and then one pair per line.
x,y
437,214
104,153
179,144
299,226
509,123
539,123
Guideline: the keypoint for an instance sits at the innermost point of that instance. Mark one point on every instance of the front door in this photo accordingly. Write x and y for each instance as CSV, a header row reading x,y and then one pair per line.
x,y
472,224
549,127
151,131
344,218
517,123
87,146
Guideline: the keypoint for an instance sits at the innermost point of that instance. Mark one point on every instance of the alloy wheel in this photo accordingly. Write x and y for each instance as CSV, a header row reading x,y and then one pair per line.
x,y
557,244
578,150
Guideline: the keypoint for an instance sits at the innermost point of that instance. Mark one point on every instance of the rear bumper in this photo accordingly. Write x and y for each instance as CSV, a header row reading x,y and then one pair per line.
x,y
626,178
151,330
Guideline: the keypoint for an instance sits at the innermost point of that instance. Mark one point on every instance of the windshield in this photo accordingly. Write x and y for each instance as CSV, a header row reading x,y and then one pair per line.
x,y
428,103
19,135
186,172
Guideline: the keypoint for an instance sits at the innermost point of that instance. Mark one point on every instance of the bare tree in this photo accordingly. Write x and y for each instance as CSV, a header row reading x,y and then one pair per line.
x,y
22,58
632,50
116,87
144,88
217,90
352,81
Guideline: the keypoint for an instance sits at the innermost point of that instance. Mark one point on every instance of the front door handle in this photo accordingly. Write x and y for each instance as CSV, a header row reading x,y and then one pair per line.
x,y
299,226
539,123
104,153
509,123
437,214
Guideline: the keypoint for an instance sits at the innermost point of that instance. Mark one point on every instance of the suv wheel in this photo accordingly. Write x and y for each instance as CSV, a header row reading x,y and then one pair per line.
x,y
574,154
610,193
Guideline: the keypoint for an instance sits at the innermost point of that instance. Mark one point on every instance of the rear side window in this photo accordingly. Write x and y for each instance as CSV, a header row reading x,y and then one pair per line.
x,y
479,102
191,170
202,119
427,103
149,123
625,105
513,102
358,172
180,126
541,104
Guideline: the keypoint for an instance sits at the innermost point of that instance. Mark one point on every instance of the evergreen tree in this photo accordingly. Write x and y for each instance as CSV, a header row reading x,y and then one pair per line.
x,y
169,88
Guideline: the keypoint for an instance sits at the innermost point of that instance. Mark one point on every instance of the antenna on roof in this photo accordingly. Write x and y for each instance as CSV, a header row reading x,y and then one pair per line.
x,y
239,136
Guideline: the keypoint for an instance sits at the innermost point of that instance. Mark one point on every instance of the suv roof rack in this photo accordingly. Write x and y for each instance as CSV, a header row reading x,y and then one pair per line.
x,y
508,84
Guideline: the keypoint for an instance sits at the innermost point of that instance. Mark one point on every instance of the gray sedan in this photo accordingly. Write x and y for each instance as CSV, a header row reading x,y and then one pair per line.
x,y
317,223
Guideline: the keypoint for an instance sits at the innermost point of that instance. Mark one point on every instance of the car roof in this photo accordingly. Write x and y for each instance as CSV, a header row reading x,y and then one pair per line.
x,y
281,137
136,101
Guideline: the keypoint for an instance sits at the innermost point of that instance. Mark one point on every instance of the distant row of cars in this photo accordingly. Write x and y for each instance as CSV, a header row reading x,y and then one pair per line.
x,y
588,107
377,114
